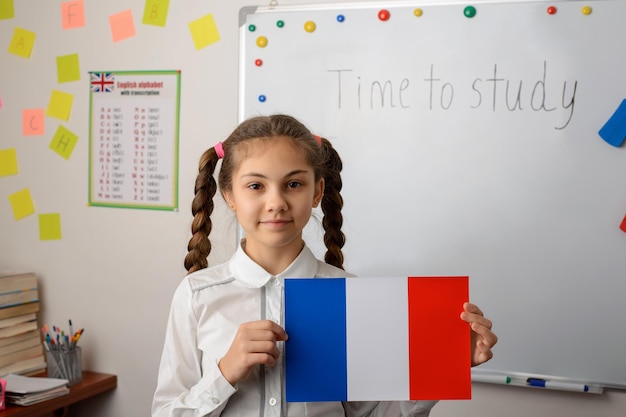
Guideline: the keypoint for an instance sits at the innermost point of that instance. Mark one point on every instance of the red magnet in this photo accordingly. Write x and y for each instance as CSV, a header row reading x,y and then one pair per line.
x,y
258,62
623,225
383,15
551,10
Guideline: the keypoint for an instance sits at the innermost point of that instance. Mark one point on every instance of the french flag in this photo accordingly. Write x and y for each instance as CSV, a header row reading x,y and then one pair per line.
x,y
376,339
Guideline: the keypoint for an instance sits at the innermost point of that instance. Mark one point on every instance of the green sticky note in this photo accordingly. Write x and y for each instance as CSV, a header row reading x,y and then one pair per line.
x,y
60,105
22,42
63,142
22,203
155,12
7,11
68,68
204,31
8,162
50,226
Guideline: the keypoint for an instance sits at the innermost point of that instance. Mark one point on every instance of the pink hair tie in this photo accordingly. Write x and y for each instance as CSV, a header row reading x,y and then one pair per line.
x,y
318,139
219,150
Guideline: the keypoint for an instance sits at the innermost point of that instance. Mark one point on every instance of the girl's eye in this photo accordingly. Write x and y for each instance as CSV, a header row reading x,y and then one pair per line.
x,y
294,184
254,186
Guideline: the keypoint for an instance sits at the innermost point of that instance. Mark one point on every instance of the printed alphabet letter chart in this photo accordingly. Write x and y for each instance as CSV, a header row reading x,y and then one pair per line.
x,y
134,139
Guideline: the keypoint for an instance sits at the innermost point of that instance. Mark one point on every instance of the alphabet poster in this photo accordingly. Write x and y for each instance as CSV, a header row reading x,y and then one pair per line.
x,y
133,139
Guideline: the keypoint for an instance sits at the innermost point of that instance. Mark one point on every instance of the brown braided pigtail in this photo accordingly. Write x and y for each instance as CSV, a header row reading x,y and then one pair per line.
x,y
332,203
199,245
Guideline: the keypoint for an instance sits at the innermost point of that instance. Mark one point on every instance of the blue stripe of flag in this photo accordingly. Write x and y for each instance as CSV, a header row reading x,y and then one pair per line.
x,y
315,353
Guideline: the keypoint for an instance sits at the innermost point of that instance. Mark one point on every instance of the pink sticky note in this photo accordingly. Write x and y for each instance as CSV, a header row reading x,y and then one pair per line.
x,y
33,122
72,14
122,25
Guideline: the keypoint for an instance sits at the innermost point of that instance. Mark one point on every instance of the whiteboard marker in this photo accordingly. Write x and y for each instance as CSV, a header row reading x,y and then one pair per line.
x,y
566,386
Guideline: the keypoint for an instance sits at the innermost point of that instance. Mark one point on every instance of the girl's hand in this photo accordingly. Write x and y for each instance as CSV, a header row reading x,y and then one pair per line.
x,y
254,344
482,338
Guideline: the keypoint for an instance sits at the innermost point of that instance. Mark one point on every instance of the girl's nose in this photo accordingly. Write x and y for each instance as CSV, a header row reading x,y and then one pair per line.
x,y
276,201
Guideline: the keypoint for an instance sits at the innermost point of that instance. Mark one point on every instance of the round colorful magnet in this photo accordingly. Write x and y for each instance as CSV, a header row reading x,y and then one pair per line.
x,y
469,11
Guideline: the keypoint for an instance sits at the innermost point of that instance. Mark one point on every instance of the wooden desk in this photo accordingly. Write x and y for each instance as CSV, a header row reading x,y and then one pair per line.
x,y
93,383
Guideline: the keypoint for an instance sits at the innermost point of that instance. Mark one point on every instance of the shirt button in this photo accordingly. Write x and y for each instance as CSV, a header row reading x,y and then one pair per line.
x,y
215,400
275,281
273,401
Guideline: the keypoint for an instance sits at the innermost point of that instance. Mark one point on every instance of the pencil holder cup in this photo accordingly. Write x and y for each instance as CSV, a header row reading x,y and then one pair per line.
x,y
65,364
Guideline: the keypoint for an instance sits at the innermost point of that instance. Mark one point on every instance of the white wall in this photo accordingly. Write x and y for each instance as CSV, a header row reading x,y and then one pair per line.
x,y
114,271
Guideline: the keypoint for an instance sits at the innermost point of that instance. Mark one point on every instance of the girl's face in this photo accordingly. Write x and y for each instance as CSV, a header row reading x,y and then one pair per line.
x,y
273,193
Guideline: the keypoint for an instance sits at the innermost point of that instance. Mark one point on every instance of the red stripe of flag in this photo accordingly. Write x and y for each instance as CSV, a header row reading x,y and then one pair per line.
x,y
439,341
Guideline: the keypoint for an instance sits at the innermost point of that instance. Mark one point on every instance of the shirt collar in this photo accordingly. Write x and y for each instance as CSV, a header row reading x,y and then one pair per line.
x,y
252,275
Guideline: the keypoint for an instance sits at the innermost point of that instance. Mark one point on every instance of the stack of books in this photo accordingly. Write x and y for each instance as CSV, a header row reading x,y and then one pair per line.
x,y
25,390
21,348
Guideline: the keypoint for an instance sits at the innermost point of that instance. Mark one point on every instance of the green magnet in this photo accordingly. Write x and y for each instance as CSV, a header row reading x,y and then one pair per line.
x,y
469,11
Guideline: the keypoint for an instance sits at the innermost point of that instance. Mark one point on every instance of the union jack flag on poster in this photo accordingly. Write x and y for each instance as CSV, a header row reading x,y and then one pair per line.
x,y
102,82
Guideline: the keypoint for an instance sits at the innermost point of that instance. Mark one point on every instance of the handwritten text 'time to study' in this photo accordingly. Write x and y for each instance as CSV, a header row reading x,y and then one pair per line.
x,y
493,91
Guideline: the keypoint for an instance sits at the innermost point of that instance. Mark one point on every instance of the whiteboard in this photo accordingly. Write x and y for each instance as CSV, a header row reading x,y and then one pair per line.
x,y
470,147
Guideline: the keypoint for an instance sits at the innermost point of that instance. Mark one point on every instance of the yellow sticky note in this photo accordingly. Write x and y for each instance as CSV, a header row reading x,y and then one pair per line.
x,y
50,226
122,25
60,105
204,31
7,11
22,42
22,204
72,14
8,162
155,12
68,68
63,142
33,122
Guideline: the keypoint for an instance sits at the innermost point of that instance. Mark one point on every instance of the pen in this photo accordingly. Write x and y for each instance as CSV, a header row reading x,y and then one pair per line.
x,y
567,386
77,336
